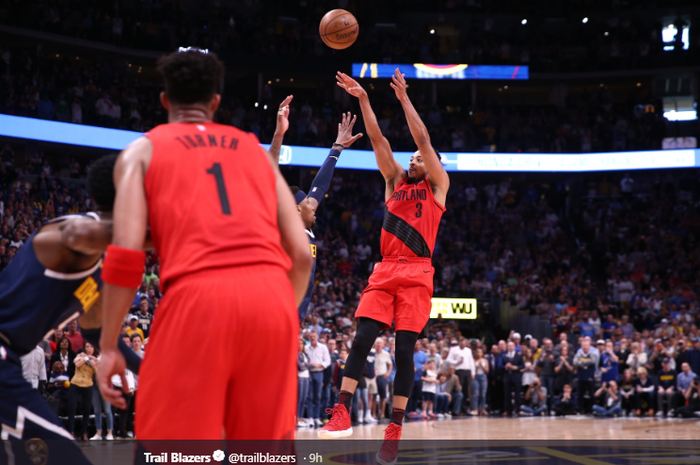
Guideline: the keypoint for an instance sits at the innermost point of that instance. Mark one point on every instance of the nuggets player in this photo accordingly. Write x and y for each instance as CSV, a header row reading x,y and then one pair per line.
x,y
308,204
52,279
401,286
221,216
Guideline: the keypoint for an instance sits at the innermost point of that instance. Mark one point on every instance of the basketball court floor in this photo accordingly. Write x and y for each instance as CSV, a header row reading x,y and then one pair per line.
x,y
503,441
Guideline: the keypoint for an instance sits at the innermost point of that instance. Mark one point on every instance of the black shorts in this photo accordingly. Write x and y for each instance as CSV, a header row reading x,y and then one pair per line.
x,y
428,396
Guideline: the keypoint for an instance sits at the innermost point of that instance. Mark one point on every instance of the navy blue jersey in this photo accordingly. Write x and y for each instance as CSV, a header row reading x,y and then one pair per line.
x,y
304,306
312,278
35,300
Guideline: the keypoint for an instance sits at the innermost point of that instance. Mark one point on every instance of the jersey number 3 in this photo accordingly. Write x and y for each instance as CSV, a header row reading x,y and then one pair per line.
x,y
221,187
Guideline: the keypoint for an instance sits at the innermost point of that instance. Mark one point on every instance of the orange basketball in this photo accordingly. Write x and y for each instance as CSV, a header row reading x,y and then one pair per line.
x,y
339,29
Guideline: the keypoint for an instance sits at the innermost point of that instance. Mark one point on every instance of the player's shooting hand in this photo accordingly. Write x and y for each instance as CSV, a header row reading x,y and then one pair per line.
x,y
350,85
345,137
398,83
112,363
283,115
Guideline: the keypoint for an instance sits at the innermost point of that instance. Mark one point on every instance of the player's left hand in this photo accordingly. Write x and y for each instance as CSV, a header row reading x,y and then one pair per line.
x,y
283,115
345,137
112,363
398,83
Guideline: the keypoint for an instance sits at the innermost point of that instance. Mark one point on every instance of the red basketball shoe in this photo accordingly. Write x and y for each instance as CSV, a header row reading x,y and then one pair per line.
x,y
389,452
339,425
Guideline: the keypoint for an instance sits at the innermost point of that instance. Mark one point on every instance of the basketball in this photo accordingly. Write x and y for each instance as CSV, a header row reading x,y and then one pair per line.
x,y
66,384
338,29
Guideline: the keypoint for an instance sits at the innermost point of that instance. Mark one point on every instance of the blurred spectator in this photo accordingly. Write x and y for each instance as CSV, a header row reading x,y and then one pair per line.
x,y
319,359
34,368
461,358
627,392
133,327
666,390
123,414
611,400
75,338
303,365
99,405
609,364
512,364
565,403
637,359
65,355
692,397
480,383
535,399
430,380
546,364
645,392
382,366
585,362
80,392
57,388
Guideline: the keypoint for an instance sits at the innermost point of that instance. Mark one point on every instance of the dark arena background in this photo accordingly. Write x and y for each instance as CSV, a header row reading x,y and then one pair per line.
x,y
566,288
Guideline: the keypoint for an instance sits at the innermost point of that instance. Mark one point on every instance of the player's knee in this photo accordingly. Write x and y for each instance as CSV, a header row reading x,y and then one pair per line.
x,y
405,344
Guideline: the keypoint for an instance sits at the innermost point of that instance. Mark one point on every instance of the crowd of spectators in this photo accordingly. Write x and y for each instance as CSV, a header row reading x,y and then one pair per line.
x,y
117,94
611,268
552,39
608,261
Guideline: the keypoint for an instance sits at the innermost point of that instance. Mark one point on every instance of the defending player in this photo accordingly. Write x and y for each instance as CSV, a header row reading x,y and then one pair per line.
x,y
308,204
401,286
208,192
52,279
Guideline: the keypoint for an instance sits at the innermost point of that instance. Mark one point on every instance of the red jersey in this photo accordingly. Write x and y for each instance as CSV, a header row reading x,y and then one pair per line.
x,y
212,201
411,221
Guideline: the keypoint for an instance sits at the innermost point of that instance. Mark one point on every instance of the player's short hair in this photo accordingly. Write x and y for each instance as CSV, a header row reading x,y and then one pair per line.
x,y
100,183
294,189
191,76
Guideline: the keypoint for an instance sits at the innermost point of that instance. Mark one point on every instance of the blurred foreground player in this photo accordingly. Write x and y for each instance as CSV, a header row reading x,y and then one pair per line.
x,y
53,278
401,286
216,207
308,204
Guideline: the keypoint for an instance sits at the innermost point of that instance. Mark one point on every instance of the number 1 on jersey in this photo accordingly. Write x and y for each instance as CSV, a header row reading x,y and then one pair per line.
x,y
221,187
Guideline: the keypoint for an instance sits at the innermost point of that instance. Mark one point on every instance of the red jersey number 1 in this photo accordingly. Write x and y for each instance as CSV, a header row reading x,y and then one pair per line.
x,y
221,187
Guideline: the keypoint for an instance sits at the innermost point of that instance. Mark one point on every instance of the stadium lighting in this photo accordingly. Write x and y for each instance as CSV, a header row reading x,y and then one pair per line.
x,y
523,22
265,107
256,104
585,20
607,33
432,31
674,115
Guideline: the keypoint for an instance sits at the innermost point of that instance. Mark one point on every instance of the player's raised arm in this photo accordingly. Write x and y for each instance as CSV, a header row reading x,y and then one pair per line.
x,y
392,171
123,265
280,130
345,139
437,174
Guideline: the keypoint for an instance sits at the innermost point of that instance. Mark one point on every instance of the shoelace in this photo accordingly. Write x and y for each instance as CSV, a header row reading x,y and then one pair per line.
x,y
390,447
392,434
335,419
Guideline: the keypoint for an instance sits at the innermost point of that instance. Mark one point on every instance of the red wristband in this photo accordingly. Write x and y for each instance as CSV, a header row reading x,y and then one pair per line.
x,y
123,267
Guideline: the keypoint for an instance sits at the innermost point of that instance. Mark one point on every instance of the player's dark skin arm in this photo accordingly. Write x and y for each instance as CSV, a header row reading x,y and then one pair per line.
x,y
439,180
391,170
73,245
130,218
280,130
